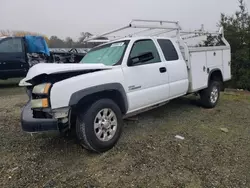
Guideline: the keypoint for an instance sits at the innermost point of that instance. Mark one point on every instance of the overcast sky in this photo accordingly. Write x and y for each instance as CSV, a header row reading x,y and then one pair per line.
x,y
70,17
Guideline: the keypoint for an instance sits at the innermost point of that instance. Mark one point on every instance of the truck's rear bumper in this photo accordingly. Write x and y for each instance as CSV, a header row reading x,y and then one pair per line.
x,y
30,124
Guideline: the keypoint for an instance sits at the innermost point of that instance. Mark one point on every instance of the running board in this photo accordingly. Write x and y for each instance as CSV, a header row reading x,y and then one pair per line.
x,y
144,110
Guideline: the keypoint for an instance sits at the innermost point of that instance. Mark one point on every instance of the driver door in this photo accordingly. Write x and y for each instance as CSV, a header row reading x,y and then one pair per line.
x,y
146,83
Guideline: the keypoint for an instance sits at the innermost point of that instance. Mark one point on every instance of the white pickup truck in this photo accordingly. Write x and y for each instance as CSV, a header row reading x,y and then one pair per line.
x,y
121,78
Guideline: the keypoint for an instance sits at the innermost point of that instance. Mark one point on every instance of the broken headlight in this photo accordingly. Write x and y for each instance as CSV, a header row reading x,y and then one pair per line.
x,y
42,88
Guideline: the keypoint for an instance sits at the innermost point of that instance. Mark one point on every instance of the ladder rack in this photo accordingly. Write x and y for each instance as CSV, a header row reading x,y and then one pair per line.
x,y
151,28
145,27
159,28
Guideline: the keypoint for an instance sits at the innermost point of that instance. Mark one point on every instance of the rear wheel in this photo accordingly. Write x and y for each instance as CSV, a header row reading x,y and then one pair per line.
x,y
210,95
100,126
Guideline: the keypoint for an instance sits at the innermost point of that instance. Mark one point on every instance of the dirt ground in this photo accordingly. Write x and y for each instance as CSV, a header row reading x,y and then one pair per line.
x,y
147,155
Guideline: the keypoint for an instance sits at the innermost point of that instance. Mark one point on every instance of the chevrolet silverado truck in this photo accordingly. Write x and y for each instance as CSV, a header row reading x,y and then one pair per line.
x,y
122,78
18,54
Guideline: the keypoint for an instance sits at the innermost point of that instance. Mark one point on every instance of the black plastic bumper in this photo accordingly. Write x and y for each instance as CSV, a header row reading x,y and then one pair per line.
x,y
30,124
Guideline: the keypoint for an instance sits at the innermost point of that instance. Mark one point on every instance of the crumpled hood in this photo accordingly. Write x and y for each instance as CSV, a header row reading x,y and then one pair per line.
x,y
47,68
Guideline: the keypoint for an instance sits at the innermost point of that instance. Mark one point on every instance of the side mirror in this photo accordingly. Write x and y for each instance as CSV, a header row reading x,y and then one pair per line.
x,y
147,56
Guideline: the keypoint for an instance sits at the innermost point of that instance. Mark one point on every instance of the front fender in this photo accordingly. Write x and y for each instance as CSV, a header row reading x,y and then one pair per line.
x,y
69,91
77,96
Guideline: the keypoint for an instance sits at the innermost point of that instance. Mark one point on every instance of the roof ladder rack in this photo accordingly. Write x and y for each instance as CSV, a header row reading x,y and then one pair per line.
x,y
151,28
146,25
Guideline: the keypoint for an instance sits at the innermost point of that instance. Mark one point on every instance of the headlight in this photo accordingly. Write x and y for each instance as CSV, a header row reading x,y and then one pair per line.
x,y
39,103
42,88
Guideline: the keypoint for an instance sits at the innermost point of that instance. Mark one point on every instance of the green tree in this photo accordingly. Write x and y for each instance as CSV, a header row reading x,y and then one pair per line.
x,y
237,32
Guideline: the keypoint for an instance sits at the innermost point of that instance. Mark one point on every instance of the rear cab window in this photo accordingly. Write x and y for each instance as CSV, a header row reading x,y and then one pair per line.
x,y
168,49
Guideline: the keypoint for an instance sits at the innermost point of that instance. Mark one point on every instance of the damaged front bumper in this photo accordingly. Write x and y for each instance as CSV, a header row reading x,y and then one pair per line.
x,y
31,124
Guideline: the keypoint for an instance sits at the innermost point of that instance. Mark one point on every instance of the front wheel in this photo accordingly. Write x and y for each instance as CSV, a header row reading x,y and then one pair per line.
x,y
210,96
99,127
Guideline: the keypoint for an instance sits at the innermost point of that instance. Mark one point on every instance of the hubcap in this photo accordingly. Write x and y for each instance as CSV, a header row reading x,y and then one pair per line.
x,y
105,124
214,95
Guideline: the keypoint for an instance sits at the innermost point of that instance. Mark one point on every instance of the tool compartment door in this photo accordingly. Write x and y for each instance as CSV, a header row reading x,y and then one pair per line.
x,y
214,58
198,71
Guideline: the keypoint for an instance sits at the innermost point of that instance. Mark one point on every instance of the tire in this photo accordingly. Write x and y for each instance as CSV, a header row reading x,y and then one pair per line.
x,y
210,96
96,136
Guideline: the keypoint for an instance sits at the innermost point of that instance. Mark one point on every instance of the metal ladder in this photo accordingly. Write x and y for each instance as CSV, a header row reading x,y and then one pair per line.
x,y
151,28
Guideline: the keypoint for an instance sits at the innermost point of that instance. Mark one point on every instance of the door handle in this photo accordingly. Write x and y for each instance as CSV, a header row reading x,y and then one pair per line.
x,y
162,69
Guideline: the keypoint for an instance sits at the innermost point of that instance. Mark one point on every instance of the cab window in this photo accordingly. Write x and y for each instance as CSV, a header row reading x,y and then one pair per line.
x,y
143,46
11,45
168,49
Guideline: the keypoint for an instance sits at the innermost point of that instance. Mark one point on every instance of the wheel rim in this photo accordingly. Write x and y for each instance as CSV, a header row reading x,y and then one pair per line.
x,y
105,124
214,95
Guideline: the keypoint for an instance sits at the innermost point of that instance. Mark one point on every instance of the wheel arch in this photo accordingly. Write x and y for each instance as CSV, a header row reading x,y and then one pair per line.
x,y
216,75
114,91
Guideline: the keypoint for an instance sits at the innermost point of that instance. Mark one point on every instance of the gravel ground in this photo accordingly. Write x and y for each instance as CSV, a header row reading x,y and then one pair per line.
x,y
147,155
